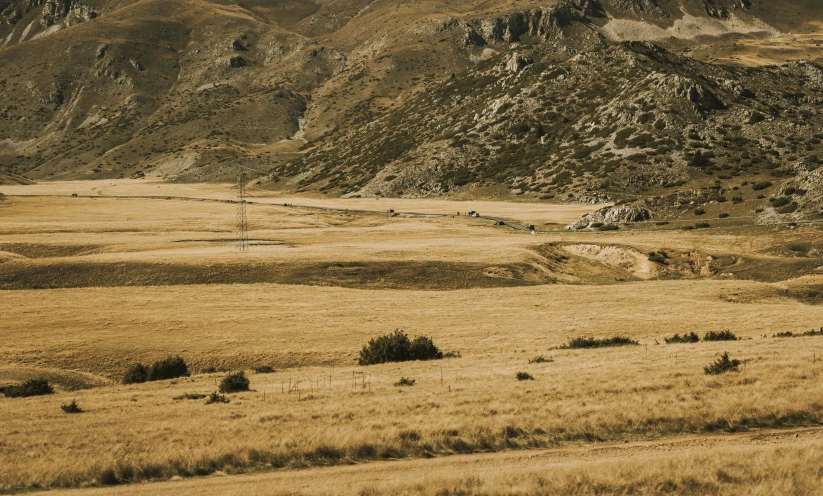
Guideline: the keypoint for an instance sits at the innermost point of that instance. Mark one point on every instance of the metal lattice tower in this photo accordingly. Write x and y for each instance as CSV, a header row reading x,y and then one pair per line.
x,y
242,220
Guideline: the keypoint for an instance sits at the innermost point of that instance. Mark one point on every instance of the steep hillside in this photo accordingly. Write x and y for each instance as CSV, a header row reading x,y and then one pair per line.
x,y
408,97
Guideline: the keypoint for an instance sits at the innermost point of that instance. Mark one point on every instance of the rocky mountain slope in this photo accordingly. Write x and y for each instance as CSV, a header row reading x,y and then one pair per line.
x,y
571,99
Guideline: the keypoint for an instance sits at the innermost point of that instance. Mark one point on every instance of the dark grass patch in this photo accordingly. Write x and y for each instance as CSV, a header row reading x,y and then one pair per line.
x,y
582,343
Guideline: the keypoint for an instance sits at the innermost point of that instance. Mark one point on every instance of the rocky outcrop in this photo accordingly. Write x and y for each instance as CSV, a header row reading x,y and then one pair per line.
x,y
66,12
612,215
237,62
517,62
546,23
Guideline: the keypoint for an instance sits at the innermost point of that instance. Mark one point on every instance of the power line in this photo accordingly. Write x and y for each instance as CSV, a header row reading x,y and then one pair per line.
x,y
242,219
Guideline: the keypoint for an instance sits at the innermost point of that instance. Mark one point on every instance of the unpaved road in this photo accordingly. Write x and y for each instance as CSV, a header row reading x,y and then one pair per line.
x,y
351,479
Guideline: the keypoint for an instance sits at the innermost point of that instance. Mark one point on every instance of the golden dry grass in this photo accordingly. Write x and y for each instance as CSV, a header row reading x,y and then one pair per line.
x,y
765,463
312,333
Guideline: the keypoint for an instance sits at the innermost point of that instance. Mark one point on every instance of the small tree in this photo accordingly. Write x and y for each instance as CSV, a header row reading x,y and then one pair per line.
x,y
71,407
722,365
234,383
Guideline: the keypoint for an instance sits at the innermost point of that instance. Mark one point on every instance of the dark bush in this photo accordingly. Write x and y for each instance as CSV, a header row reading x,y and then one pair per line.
x,y
234,383
265,369
396,347
32,387
541,359
722,365
190,396
761,186
578,343
405,382
168,368
723,215
699,211
608,227
524,376
720,336
71,407
135,374
702,225
216,398
685,338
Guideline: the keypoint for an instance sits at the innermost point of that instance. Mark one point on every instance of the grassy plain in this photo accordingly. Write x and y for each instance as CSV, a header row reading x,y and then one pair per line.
x,y
93,286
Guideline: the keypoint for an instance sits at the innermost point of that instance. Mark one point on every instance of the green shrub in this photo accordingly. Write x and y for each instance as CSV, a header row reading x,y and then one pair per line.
x,y
761,186
723,215
580,343
699,211
168,368
722,365
397,347
405,382
524,376
685,338
71,407
135,374
32,387
216,398
720,336
265,369
541,359
702,225
234,383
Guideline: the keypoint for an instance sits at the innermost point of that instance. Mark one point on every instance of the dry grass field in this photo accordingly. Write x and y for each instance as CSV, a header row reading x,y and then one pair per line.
x,y
91,286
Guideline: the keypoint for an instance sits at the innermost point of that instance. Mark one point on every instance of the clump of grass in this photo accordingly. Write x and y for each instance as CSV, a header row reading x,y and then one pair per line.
x,y
215,397
265,369
32,387
71,407
524,376
405,382
720,336
234,383
397,347
451,354
691,337
541,359
722,365
580,343
190,396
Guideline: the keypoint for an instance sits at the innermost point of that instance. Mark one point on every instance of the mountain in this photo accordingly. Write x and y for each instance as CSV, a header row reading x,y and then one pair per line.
x,y
572,99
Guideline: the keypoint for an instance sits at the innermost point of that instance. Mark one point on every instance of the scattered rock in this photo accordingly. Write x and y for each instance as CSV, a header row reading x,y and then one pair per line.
x,y
236,62
612,215
238,46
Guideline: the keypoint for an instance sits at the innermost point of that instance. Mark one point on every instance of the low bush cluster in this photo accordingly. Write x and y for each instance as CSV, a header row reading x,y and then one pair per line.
x,y
168,368
405,382
32,387
541,359
397,347
71,407
685,338
790,334
720,336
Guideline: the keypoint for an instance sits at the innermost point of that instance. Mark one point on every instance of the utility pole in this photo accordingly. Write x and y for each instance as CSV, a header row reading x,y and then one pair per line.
x,y
242,220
